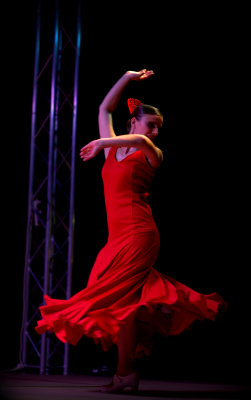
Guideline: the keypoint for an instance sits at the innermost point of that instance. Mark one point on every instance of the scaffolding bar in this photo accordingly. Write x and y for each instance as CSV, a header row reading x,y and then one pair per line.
x,y
50,198
73,156
50,214
26,291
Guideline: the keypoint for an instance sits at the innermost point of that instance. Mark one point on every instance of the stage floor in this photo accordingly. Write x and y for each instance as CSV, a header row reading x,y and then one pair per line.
x,y
58,387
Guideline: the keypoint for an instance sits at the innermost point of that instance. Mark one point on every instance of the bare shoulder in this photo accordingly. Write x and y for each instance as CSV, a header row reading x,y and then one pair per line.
x,y
153,153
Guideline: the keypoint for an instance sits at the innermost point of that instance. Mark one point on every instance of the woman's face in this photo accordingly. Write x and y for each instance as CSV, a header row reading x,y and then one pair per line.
x,y
148,125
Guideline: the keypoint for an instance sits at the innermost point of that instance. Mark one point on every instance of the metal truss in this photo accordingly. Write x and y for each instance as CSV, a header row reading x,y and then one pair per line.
x,y
50,215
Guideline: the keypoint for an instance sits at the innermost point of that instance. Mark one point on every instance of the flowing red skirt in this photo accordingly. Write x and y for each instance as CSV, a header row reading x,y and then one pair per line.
x,y
122,285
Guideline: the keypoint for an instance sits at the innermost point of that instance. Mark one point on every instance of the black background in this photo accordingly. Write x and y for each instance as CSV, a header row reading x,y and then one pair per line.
x,y
199,197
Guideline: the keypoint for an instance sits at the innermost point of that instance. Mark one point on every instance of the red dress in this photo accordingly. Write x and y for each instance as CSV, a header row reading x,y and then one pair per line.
x,y
123,280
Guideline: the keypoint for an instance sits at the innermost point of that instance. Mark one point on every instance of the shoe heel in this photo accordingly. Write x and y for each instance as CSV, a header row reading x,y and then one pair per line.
x,y
121,384
131,389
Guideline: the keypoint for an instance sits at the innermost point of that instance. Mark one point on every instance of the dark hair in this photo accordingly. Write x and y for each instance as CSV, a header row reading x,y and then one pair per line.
x,y
140,111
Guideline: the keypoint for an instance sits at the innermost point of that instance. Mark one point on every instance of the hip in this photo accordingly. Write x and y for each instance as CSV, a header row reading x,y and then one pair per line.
x,y
137,231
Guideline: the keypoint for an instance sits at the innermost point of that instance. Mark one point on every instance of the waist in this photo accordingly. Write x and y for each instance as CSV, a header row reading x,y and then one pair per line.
x,y
131,224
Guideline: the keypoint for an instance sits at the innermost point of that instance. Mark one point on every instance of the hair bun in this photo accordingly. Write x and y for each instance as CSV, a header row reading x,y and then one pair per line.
x,y
132,104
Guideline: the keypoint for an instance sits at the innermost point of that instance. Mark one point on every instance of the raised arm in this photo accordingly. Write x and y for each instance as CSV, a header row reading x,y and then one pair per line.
x,y
111,100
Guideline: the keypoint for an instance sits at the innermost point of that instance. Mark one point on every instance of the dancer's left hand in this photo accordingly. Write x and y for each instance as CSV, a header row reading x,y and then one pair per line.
x,y
90,150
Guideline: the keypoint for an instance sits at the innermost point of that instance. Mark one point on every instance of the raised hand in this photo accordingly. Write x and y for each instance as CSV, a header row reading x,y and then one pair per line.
x,y
139,75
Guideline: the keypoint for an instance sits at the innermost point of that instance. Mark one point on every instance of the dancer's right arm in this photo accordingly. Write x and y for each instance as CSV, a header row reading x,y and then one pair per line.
x,y
108,105
111,100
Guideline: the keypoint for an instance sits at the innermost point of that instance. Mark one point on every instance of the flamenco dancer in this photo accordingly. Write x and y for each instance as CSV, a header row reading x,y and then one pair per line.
x,y
126,300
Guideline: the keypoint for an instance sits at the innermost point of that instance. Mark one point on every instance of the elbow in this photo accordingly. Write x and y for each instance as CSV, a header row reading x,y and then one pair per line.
x,y
104,109
140,141
104,113
153,153
143,142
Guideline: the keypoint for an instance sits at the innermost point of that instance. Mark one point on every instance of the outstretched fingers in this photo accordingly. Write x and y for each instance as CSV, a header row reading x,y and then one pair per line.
x,y
85,152
146,74
140,75
90,150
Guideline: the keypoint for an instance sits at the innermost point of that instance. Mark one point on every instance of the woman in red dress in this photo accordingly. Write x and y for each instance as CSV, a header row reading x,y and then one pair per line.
x,y
126,300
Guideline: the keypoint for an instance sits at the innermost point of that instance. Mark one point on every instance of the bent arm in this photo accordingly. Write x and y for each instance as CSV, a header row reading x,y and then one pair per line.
x,y
107,107
153,153
111,100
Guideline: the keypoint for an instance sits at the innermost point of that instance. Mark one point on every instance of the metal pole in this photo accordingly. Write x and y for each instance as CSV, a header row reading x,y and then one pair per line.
x,y
72,188
23,349
50,177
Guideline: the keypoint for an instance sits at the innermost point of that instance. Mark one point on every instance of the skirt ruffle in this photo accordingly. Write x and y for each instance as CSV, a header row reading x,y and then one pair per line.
x,y
162,304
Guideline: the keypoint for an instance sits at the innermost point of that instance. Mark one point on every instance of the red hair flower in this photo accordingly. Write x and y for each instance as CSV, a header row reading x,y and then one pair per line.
x,y
132,104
